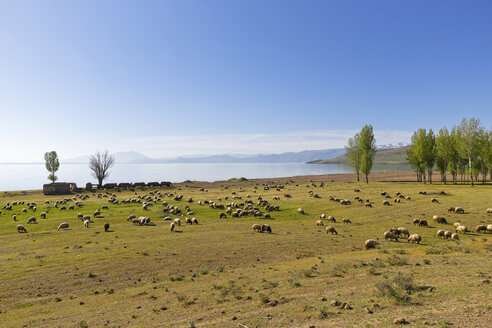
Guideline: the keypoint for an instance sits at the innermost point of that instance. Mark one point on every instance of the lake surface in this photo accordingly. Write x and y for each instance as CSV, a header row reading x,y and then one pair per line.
x,y
33,176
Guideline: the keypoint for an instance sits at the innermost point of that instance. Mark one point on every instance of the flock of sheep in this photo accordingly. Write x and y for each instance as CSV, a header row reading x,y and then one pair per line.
x,y
238,208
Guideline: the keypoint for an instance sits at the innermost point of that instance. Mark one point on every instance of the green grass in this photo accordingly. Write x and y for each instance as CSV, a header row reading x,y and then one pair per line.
x,y
221,274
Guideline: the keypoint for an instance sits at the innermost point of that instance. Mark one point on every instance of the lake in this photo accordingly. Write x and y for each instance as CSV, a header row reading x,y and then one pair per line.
x,y
33,176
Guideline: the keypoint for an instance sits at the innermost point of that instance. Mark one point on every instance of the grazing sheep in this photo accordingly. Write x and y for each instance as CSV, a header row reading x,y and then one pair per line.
x,y
439,219
440,233
403,231
104,207
86,223
86,217
423,223
172,225
434,200
322,216
331,229
480,228
167,218
256,227
414,239
459,210
14,217
489,211
347,221
266,228
131,217
451,209
408,198
63,225
21,228
319,223
32,219
386,203
489,227
447,234
80,216
368,205
268,216
97,213
222,215
24,210
370,243
136,221
461,229
300,211
63,208
332,219
397,200
194,220
187,221
390,235
455,236
178,221
416,221
106,226
345,202
456,224
42,215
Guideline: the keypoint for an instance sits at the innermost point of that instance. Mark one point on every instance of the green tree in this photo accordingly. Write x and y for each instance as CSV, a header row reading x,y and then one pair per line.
x,y
368,149
354,152
443,152
413,158
429,153
469,142
52,164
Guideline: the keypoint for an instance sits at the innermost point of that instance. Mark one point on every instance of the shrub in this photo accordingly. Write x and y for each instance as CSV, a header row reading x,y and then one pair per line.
x,y
294,282
398,287
396,260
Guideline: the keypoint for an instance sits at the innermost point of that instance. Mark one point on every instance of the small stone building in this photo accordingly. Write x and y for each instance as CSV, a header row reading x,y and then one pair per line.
x,y
59,188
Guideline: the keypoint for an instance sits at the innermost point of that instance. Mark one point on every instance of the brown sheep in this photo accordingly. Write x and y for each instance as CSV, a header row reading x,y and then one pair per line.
x,y
423,223
451,209
414,239
480,228
489,211
368,205
21,228
416,221
347,221
440,233
332,230
386,203
435,200
448,234
370,243
266,228
439,219
188,221
222,215
106,226
332,219
459,210
256,227
390,235
455,236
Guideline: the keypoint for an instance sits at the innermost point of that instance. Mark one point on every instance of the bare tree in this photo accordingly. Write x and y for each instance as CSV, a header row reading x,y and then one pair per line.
x,y
100,163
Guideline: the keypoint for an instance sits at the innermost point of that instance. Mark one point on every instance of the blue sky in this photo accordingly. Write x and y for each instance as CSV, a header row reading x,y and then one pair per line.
x,y
172,78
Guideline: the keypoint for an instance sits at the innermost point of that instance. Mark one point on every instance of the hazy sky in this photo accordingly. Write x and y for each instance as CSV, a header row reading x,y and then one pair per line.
x,y
180,77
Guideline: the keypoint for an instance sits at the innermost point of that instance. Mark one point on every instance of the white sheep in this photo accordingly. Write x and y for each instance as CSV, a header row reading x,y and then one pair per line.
x,y
319,223
86,223
177,221
414,238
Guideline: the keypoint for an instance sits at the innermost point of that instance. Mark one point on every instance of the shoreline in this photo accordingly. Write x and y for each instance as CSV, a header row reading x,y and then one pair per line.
x,y
395,176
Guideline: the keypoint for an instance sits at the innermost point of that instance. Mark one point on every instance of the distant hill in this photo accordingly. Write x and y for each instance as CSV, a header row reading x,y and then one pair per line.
x,y
393,159
120,158
290,157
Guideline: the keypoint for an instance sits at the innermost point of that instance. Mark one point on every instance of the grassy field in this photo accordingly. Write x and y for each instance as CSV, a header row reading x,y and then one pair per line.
x,y
220,273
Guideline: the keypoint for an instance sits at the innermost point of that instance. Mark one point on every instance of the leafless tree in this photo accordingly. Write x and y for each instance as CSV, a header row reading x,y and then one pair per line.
x,y
100,163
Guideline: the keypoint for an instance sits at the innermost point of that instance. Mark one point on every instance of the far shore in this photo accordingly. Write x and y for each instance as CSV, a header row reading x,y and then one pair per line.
x,y
406,176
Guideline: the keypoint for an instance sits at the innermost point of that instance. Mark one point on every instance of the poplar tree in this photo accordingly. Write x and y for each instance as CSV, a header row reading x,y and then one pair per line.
x,y
368,149
354,152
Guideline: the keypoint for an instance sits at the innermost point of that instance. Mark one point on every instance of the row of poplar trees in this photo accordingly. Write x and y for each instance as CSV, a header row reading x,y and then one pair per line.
x,y
361,150
465,150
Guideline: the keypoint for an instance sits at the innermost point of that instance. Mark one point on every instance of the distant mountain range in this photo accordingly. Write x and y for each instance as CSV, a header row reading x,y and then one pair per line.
x,y
133,157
